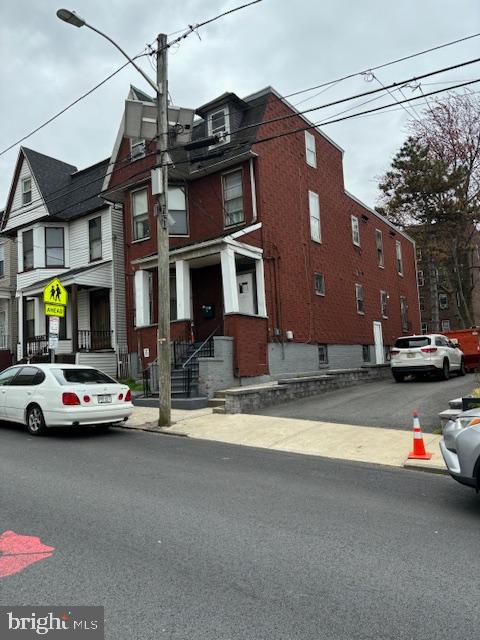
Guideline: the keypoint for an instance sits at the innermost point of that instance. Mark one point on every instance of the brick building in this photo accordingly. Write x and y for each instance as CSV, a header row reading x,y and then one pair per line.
x,y
271,257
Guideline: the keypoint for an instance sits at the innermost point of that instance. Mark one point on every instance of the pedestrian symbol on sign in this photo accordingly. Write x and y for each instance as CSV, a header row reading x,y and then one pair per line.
x,y
54,292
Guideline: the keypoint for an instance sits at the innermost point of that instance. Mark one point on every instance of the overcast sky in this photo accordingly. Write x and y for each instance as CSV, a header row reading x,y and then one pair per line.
x,y
46,64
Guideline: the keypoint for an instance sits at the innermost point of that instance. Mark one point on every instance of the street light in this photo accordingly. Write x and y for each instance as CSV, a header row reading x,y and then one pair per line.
x,y
161,91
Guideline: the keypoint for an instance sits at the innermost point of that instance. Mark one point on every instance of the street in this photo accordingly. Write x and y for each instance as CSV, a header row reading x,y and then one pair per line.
x,y
180,539
380,404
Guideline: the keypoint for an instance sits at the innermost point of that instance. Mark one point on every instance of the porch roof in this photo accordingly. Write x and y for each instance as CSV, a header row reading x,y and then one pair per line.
x,y
91,275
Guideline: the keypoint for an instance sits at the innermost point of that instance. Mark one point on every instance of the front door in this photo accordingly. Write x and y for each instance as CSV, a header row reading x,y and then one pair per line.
x,y
246,295
100,332
378,338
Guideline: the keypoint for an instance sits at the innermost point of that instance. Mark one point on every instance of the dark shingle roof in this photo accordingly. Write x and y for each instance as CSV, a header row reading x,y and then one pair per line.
x,y
50,174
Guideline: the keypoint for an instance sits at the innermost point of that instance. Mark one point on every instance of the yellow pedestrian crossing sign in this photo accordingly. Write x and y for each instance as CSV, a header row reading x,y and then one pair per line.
x,y
55,293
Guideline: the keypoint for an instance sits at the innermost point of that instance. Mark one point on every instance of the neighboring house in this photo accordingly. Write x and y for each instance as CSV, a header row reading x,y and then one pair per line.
x,y
269,254
63,228
8,307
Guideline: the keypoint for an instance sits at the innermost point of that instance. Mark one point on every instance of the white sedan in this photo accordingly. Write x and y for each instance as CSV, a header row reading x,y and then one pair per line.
x,y
58,395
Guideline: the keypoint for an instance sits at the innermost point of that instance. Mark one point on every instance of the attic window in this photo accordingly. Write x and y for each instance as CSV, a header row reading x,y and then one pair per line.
x,y
137,148
26,190
219,124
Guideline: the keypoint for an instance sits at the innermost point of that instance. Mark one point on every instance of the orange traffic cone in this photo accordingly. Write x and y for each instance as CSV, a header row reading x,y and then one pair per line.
x,y
418,452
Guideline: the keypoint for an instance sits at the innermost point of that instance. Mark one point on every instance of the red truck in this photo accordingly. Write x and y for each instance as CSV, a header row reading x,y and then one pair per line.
x,y
469,342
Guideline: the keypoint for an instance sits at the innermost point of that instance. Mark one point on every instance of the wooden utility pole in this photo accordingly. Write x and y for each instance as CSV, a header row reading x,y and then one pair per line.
x,y
163,333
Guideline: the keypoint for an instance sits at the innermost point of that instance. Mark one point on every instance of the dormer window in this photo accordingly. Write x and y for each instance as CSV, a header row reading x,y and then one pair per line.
x,y
137,148
219,124
26,190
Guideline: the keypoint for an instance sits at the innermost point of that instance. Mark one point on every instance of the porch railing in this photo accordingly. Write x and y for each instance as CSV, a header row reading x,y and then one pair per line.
x,y
36,346
94,340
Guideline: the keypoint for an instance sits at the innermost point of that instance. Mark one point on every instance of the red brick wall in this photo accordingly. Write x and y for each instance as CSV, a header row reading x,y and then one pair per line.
x,y
250,356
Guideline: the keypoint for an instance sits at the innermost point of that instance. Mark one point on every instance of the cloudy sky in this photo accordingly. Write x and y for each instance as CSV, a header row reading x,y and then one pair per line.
x,y
46,64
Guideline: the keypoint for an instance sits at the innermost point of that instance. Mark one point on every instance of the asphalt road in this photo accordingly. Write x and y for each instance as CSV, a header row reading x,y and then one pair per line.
x,y
183,539
385,403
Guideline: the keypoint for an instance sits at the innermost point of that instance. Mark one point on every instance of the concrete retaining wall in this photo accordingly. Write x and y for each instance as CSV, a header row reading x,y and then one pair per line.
x,y
249,400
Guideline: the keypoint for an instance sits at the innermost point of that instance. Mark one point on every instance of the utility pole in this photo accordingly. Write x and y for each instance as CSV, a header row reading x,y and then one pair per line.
x,y
163,261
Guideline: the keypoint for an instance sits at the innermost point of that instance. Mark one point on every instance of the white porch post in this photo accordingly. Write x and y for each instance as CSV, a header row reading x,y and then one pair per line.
x,y
182,283
20,312
229,280
142,307
260,278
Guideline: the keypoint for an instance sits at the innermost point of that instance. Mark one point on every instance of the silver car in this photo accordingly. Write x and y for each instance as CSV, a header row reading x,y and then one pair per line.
x,y
460,447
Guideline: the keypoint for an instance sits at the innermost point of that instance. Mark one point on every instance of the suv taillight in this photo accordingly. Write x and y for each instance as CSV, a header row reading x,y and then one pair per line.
x,y
70,399
394,352
128,396
428,349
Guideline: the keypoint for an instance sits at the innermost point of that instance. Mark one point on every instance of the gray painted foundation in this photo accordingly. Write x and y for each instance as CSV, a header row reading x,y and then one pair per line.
x,y
296,358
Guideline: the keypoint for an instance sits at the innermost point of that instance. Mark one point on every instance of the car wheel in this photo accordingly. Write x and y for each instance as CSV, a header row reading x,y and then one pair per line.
x,y
35,421
445,374
462,371
398,377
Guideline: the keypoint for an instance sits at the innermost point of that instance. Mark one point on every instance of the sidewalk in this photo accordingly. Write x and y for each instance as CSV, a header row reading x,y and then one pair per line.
x,y
342,441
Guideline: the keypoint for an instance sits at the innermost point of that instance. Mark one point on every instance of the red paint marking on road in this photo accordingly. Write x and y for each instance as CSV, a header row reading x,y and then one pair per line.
x,y
17,552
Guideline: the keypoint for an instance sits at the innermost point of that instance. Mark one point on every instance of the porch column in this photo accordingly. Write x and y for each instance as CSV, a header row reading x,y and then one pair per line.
x,y
260,278
74,299
142,307
229,280
20,328
182,282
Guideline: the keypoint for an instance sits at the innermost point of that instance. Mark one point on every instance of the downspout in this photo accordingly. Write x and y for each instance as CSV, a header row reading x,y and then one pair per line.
x,y
254,191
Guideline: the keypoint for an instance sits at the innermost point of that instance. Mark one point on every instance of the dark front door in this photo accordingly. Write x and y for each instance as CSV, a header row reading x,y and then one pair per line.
x,y
100,333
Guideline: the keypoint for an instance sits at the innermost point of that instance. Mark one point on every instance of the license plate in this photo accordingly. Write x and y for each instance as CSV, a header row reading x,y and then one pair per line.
x,y
104,399
410,355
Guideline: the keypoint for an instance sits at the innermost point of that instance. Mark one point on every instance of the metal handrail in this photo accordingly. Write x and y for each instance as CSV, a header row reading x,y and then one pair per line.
x,y
200,347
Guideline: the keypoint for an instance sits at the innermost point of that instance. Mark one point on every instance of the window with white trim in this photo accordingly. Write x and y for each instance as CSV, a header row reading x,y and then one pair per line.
x,y
419,253
355,231
2,260
384,303
424,327
319,284
420,278
177,211
360,298
310,149
141,227
322,354
218,123
379,246
95,238
445,325
26,191
366,353
404,313
421,301
54,247
233,198
137,148
314,207
398,253
443,301
27,242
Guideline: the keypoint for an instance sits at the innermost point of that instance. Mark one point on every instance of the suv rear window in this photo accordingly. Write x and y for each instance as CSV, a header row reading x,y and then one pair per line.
x,y
82,376
412,343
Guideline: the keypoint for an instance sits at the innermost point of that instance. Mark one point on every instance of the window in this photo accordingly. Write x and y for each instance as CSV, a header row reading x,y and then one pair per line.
x,y
419,254
420,278
366,352
150,297
379,246
141,227
27,238
404,313
173,296
384,303
412,343
82,376
30,319
398,248
355,231
7,375
95,238
177,210
310,149
422,304
28,376
54,243
322,354
442,276
2,260
359,295
319,284
137,148
218,124
443,301
424,327
445,325
314,206
26,190
233,198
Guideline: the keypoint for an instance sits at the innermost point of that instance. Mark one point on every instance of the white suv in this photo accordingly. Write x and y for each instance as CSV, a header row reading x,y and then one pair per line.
x,y
425,354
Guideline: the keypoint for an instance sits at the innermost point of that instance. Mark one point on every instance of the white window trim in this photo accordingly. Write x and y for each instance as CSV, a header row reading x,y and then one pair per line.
x,y
399,257
382,295
444,296
317,292
380,263
404,307
182,235
358,288
312,217
449,326
144,188
242,222
310,138
24,180
355,231
141,154
226,137
420,278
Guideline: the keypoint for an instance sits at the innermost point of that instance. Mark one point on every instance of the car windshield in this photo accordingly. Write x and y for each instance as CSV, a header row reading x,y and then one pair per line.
x,y
82,376
412,343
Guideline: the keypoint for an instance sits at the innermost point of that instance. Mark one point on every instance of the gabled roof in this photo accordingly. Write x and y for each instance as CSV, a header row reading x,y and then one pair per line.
x,y
51,174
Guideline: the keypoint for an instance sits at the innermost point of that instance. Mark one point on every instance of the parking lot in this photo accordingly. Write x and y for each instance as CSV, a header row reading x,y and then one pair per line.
x,y
383,403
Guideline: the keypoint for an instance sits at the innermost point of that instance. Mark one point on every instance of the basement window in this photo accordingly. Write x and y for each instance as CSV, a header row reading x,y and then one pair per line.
x,y
322,354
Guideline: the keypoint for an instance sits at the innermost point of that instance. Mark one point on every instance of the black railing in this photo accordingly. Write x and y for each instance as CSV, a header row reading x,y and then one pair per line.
x,y
94,340
36,346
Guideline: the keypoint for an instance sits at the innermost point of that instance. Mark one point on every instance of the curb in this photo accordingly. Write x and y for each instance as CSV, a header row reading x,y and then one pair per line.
x,y
418,466
154,429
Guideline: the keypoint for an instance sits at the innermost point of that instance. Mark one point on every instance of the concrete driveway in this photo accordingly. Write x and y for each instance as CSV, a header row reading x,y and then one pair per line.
x,y
383,403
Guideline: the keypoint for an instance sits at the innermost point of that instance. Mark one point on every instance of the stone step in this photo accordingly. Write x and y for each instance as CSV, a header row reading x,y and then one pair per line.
x,y
218,410
216,402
